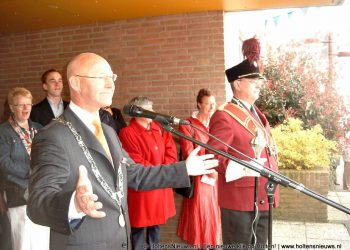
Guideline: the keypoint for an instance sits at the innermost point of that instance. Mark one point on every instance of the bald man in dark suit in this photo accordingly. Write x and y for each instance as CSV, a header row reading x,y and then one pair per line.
x,y
78,187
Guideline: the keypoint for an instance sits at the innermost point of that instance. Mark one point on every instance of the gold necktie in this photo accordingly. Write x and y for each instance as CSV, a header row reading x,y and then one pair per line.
x,y
100,136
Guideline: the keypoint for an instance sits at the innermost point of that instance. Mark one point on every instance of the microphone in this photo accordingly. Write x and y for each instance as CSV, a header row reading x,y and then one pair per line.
x,y
136,111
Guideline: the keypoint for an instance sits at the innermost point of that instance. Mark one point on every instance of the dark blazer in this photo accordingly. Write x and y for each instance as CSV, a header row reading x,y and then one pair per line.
x,y
116,121
42,112
56,157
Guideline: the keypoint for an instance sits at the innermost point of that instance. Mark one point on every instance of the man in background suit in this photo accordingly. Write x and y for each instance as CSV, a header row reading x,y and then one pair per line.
x,y
53,105
112,117
81,192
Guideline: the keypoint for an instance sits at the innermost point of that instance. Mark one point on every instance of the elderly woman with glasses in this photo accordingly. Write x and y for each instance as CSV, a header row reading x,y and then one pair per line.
x,y
16,135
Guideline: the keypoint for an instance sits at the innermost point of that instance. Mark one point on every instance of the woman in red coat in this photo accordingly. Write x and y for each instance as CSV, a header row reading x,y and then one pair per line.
x,y
147,143
199,222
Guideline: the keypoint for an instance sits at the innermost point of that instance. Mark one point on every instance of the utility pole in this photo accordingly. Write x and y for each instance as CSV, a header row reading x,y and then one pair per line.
x,y
330,56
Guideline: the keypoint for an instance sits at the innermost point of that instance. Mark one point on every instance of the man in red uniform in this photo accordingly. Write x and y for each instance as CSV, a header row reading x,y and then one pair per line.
x,y
148,144
240,124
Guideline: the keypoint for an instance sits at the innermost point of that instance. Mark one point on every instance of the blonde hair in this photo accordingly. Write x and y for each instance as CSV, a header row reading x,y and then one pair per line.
x,y
18,91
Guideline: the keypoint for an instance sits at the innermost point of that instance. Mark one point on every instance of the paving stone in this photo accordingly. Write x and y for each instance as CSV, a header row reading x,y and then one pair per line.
x,y
336,232
327,231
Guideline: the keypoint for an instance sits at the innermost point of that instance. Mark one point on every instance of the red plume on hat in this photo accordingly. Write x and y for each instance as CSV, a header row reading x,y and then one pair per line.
x,y
250,67
251,50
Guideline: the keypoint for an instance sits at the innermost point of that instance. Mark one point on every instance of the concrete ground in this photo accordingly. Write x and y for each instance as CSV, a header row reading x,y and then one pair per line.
x,y
306,235
334,233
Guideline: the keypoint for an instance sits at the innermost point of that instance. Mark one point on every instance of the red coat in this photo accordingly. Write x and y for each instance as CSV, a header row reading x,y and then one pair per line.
x,y
199,221
149,147
239,194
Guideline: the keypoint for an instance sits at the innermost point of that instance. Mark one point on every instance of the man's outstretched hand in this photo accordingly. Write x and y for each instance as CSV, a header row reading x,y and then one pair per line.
x,y
200,164
85,201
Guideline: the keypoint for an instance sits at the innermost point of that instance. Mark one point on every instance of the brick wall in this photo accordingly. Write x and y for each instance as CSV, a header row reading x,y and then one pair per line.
x,y
301,207
168,58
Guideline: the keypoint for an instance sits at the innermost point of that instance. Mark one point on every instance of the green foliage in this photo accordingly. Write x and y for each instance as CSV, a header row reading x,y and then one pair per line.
x,y
301,86
300,148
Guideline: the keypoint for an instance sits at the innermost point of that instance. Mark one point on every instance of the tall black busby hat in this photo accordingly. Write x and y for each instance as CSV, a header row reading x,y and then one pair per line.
x,y
243,70
248,68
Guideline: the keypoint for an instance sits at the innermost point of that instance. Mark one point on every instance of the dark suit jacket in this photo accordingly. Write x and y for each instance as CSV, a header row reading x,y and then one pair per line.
x,y
56,157
116,121
42,112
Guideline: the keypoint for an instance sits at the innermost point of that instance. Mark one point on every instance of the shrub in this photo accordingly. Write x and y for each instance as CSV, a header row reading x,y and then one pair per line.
x,y
300,148
300,85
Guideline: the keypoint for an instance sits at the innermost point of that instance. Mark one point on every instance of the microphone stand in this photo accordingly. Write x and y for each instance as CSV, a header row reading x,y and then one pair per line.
x,y
270,188
274,179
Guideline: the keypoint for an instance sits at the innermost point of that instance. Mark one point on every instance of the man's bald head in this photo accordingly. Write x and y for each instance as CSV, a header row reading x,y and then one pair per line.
x,y
82,63
90,81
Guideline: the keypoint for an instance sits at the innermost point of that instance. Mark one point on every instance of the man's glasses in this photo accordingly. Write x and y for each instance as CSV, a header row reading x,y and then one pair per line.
x,y
21,106
113,77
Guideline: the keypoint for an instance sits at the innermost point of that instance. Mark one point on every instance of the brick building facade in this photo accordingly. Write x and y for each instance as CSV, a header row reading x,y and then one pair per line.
x,y
167,58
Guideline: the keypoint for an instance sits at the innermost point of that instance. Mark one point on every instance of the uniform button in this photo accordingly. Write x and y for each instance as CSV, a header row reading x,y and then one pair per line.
x,y
262,202
124,245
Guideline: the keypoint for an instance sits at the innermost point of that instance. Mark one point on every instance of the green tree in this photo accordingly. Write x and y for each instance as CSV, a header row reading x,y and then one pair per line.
x,y
299,85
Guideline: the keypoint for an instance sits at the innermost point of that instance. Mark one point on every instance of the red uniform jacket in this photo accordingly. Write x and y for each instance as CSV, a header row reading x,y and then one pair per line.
x,y
239,194
149,147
